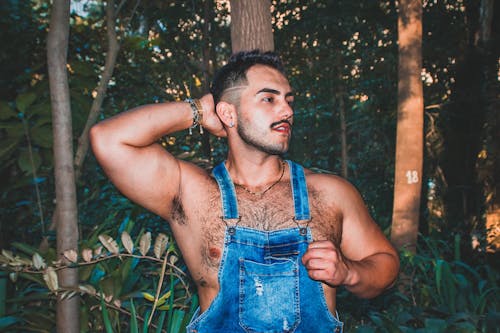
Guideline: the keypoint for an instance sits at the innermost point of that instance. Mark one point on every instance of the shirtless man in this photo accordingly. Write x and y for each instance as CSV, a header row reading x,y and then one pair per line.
x,y
266,241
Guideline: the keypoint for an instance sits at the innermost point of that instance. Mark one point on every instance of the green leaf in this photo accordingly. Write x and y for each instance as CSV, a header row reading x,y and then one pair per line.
x,y
42,136
161,321
435,325
42,110
6,111
23,101
83,68
175,325
439,273
464,327
105,316
146,320
8,145
365,329
24,162
14,129
134,328
8,321
28,249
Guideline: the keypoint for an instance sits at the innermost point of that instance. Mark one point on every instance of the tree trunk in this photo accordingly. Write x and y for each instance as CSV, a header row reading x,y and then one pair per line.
x,y
109,65
251,25
488,167
409,139
67,226
343,137
206,48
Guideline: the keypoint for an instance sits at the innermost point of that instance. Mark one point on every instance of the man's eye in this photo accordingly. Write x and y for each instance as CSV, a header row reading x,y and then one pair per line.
x,y
290,103
268,99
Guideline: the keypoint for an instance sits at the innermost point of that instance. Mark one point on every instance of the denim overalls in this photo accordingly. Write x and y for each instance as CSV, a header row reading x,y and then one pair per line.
x,y
264,287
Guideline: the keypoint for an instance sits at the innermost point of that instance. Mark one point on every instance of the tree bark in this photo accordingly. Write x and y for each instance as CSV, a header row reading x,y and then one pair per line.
x,y
67,227
251,26
206,48
343,137
109,65
488,167
409,137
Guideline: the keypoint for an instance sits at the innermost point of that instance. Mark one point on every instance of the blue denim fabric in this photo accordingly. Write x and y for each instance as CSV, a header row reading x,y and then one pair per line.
x,y
264,288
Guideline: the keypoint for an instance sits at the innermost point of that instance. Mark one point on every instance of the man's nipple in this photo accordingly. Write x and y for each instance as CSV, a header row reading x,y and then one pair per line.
x,y
214,253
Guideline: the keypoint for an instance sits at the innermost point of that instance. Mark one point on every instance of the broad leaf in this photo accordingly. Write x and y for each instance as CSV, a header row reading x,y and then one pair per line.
x,y
109,243
50,277
71,255
127,242
6,111
23,101
161,243
38,261
87,254
26,164
42,136
145,243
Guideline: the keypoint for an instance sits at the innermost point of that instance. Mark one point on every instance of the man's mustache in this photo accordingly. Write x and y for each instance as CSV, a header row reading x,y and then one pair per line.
x,y
284,121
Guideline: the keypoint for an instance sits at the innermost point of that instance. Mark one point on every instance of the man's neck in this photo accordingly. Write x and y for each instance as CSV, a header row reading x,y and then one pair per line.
x,y
254,171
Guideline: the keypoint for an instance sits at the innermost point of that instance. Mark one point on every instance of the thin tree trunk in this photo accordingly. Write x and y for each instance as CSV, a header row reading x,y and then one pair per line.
x,y
251,26
109,65
409,139
488,167
83,140
206,47
343,137
67,227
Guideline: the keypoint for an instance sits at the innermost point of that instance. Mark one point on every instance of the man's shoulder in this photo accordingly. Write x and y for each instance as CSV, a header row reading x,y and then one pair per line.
x,y
326,181
197,174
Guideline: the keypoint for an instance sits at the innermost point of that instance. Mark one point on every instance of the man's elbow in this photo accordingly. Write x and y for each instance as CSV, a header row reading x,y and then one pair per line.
x,y
97,140
382,278
392,273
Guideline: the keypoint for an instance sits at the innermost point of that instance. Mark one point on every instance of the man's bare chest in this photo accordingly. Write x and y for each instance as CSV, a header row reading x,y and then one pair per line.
x,y
274,211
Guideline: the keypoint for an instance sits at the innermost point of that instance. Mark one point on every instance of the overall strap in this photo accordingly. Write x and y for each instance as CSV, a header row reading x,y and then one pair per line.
x,y
299,191
227,192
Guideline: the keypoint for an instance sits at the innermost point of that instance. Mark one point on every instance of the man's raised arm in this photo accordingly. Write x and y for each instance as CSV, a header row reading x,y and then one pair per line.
x,y
127,149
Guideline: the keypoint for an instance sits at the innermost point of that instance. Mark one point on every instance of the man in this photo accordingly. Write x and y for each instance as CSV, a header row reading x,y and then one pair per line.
x,y
266,241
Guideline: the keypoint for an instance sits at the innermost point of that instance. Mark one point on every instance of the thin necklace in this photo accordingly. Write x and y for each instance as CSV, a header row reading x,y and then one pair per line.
x,y
261,193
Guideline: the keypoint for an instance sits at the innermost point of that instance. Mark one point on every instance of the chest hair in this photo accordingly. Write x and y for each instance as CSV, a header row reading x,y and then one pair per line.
x,y
272,211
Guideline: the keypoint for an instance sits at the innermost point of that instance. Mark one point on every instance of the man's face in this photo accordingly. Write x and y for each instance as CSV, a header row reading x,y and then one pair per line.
x,y
265,114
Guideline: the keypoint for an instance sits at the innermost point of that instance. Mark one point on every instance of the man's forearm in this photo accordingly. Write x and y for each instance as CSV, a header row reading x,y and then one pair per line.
x,y
372,275
144,125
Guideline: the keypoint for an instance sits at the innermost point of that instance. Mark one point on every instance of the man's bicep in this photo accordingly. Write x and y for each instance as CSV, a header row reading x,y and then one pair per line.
x,y
361,236
149,176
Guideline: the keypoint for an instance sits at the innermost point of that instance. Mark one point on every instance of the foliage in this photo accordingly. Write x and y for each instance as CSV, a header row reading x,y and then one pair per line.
x,y
333,50
125,284
443,294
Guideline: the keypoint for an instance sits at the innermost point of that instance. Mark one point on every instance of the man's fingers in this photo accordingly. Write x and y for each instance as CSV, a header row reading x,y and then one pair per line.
x,y
316,264
321,245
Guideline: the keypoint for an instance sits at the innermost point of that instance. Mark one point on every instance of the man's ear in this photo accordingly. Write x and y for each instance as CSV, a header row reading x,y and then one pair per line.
x,y
227,113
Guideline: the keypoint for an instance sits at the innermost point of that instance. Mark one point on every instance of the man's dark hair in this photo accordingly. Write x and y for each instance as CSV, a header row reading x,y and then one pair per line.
x,y
234,72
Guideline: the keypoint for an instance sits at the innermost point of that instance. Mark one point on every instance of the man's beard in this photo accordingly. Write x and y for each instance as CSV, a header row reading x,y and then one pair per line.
x,y
257,140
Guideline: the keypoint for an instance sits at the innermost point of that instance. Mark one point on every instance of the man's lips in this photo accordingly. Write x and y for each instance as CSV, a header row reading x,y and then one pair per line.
x,y
282,126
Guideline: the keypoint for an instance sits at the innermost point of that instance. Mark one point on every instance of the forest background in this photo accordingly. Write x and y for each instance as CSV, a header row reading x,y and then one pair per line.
x,y
125,273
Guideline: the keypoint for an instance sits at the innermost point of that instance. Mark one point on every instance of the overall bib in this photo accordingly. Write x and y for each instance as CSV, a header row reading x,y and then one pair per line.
x,y
264,287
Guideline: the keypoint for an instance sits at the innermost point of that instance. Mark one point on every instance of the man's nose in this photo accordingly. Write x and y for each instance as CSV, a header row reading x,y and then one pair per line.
x,y
286,110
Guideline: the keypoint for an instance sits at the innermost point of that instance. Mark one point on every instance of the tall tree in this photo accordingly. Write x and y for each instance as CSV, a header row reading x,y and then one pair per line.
x,y
488,167
113,48
67,217
410,121
251,25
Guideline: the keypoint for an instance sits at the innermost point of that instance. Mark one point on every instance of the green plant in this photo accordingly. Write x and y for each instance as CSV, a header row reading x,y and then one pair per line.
x,y
123,286
438,292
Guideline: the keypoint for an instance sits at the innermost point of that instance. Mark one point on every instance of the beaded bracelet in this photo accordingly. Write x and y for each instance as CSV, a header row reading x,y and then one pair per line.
x,y
197,114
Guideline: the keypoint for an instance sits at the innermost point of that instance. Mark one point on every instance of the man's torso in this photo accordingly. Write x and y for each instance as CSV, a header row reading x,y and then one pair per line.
x,y
199,229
